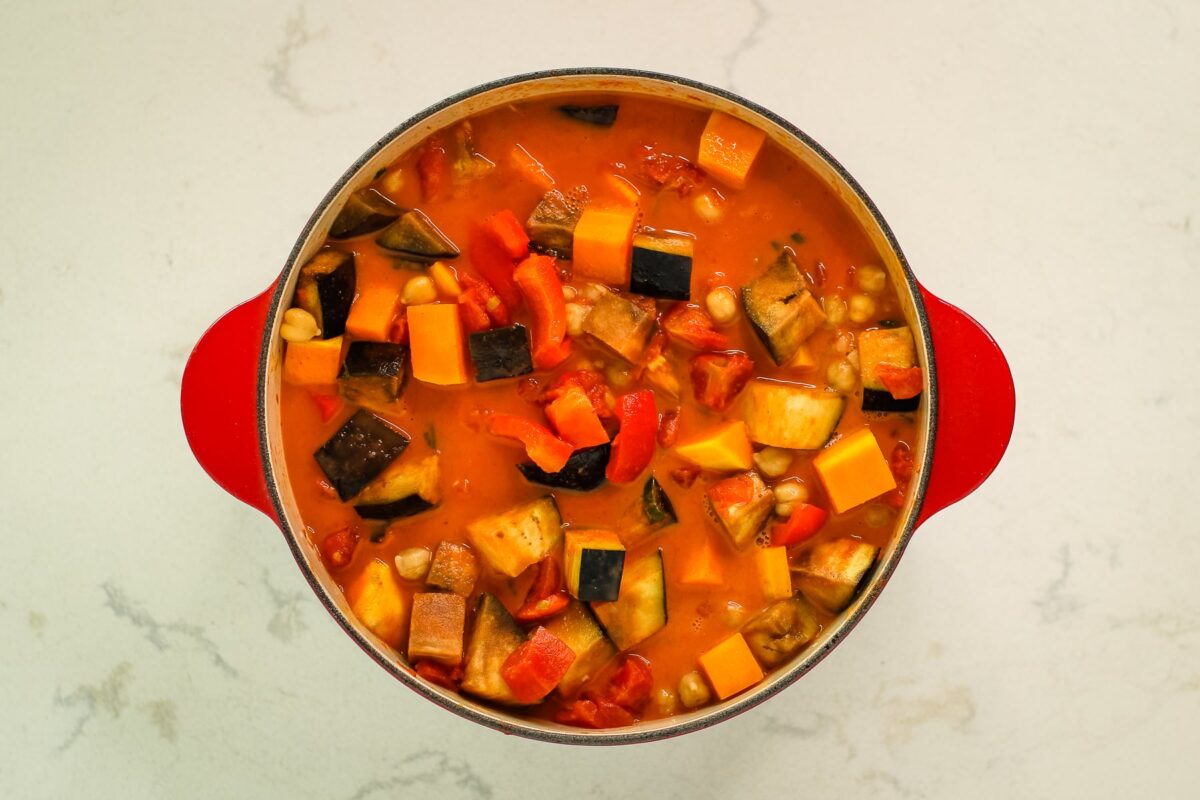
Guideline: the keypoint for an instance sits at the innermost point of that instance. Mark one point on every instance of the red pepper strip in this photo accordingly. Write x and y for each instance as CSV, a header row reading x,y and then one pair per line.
x,y
901,382
537,665
804,523
593,386
544,448
509,233
633,447
546,596
431,166
493,264
717,379
440,674
630,686
691,326
537,278
590,711
338,547
328,404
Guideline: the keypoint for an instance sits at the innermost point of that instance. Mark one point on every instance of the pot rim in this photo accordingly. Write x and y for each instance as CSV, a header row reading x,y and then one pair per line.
x,y
703,718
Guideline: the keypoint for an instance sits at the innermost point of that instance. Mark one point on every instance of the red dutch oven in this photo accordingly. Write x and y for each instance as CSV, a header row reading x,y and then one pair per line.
x,y
230,394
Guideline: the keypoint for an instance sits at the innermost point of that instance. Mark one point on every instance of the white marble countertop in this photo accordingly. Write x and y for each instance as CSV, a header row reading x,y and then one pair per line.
x,y
1039,162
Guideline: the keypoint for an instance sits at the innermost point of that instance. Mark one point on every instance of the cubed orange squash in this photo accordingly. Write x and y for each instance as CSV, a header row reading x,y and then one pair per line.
x,y
603,244
313,363
700,565
773,572
728,148
723,449
854,470
436,343
372,313
730,667
376,599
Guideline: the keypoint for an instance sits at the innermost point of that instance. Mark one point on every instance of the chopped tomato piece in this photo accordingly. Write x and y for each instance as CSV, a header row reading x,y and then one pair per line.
x,y
630,686
804,523
547,596
537,665
493,264
668,428
483,306
593,385
901,464
717,379
440,674
692,326
590,711
633,446
431,166
474,317
901,382
509,233
685,476
543,447
327,404
399,330
537,278
670,172
337,549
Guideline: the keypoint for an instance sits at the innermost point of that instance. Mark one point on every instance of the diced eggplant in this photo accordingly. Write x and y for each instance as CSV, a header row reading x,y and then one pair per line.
x,y
583,472
893,346
622,325
437,627
454,568
374,374
740,505
578,629
882,401
414,237
830,572
522,536
594,561
325,289
782,311
656,505
641,609
359,452
501,353
603,116
365,211
792,417
781,630
662,267
402,490
551,226
493,639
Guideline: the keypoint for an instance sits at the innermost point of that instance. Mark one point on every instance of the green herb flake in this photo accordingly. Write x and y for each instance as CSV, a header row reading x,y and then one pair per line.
x,y
430,437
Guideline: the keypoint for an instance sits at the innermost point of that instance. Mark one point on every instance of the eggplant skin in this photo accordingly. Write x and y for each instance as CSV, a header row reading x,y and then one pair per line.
x,y
551,226
365,211
664,275
878,400
325,289
501,353
374,374
359,451
404,507
602,116
584,470
656,505
414,237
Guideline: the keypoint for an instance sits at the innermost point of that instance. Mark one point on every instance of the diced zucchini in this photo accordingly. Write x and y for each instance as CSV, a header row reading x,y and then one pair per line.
x,y
622,325
454,568
830,572
365,211
740,505
325,289
583,472
414,237
662,267
551,226
493,639
641,609
577,627
359,452
783,312
602,116
437,627
500,353
893,346
781,630
401,490
374,375
594,561
512,541
792,417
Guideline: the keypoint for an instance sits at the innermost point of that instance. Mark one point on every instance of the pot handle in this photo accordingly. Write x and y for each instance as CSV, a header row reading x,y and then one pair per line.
x,y
976,405
219,402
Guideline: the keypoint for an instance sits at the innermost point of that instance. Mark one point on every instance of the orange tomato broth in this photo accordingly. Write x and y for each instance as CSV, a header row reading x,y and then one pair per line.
x,y
479,477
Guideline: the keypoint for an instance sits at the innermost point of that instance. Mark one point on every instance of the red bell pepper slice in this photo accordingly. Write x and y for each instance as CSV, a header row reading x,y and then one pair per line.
x,y
327,404
691,326
337,549
543,447
630,686
440,674
573,417
493,264
546,596
590,711
593,385
537,665
901,382
804,523
633,446
509,233
537,278
717,378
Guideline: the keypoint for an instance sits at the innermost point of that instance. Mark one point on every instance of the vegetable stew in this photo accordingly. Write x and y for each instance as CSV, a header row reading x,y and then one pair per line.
x,y
598,408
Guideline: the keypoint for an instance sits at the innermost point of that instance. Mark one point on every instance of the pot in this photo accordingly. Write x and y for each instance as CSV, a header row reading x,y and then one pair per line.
x,y
231,387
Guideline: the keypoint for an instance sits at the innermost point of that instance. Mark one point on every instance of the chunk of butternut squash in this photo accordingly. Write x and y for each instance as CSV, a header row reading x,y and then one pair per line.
x,y
854,470
731,667
724,449
728,148
376,599
773,572
372,313
700,564
603,244
436,343
313,363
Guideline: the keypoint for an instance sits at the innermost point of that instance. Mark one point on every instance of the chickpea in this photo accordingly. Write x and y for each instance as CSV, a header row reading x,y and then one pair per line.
x,y
791,492
618,376
733,614
862,308
722,305
298,326
665,701
841,375
870,279
708,207
413,563
576,314
835,310
418,291
570,293
693,691
773,461
878,515
844,342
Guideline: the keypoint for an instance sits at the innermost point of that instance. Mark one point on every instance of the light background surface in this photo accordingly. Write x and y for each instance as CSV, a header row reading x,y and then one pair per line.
x,y
1040,164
